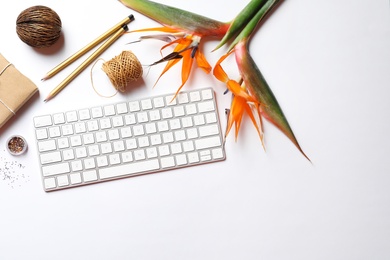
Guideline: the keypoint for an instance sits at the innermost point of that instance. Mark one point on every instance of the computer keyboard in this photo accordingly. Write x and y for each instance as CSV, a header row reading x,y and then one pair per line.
x,y
92,145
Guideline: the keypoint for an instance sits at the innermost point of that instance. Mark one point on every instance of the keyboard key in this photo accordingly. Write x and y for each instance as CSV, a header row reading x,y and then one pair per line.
x,y
151,152
77,166
42,121
89,163
130,119
68,154
88,139
41,134
146,104
138,130
154,115
52,157
102,161
166,113
127,157
71,116
114,159
142,117
126,132
54,132
208,130
167,162
81,152
163,150
190,109
193,157
121,108
117,121
181,159
62,180
50,183
106,148
84,114
93,150
205,155
206,106
67,130
113,134
55,169
170,101
217,153
188,146
151,128
45,146
134,106
158,102
195,96
109,110
105,123
182,98
176,148
207,94
208,142
97,112
119,146
92,125
75,178
130,168
89,176
139,155
63,143
131,144
75,140
101,137
178,111
59,118
211,118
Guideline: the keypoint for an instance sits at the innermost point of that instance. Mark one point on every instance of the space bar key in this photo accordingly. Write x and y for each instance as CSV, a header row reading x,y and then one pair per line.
x,y
128,169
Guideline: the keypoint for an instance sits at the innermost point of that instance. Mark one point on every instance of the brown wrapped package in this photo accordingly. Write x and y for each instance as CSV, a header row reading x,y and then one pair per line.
x,y
15,90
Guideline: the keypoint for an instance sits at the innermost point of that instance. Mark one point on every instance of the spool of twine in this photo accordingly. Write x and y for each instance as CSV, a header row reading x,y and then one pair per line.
x,y
123,69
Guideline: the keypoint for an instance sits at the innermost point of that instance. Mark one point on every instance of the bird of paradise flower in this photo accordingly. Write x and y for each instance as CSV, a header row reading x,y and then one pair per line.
x,y
252,94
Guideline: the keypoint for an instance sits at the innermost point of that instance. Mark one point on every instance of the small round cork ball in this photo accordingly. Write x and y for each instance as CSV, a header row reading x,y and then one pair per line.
x,y
39,26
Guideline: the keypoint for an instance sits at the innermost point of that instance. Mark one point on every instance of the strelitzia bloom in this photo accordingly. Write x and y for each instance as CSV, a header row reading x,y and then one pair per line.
x,y
251,94
186,28
256,86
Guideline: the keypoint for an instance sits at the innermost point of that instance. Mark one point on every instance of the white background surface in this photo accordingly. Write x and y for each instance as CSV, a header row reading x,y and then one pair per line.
x,y
328,64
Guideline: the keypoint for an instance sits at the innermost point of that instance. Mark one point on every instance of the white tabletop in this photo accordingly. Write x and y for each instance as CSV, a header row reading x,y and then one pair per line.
x,y
327,63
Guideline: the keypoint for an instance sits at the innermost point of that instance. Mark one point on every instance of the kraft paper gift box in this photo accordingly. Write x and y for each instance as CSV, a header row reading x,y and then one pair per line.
x,y
15,90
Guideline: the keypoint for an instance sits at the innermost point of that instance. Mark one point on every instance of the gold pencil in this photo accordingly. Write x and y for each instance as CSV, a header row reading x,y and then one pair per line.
x,y
88,61
88,47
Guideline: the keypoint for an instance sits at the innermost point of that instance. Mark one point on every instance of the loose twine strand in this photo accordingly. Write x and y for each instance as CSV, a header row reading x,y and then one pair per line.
x,y
1,101
121,70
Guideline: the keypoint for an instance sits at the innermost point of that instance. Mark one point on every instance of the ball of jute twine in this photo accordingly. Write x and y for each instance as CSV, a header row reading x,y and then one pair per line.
x,y
122,70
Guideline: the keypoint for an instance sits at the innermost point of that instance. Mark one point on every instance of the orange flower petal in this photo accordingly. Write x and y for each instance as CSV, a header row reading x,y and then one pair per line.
x,y
202,62
237,90
218,71
186,69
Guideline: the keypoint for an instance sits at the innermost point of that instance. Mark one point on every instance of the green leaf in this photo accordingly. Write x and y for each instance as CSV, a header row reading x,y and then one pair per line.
x,y
259,88
241,20
255,20
179,19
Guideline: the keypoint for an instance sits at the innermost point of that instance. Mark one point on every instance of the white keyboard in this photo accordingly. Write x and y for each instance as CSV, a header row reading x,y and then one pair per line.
x,y
126,139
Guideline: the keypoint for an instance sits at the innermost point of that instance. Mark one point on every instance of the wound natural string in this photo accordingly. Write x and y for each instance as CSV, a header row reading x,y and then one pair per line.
x,y
121,70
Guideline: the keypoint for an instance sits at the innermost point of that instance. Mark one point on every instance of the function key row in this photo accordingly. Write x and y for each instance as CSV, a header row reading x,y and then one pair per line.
x,y
122,108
